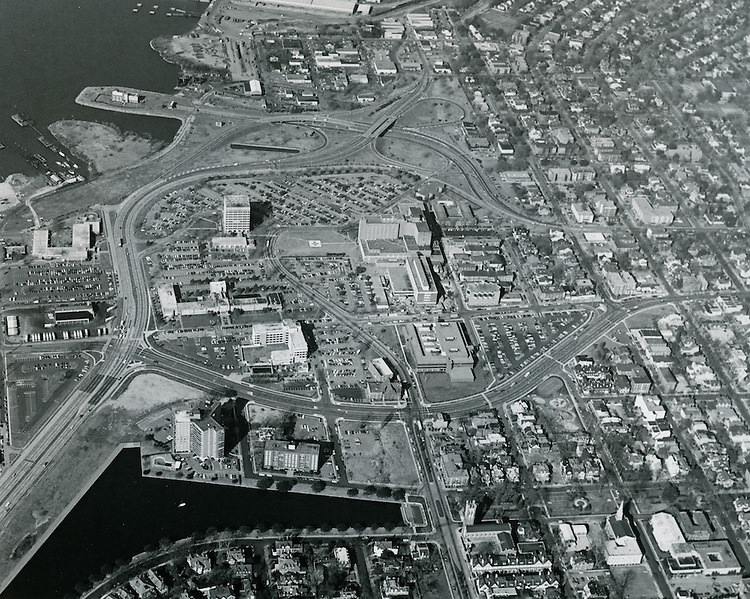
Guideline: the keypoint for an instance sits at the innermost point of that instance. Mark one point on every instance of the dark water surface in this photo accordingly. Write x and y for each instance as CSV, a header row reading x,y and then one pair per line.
x,y
123,512
51,49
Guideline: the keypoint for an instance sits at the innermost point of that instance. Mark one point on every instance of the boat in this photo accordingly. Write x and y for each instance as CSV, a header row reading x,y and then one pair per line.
x,y
183,504
22,120
135,10
2,146
151,12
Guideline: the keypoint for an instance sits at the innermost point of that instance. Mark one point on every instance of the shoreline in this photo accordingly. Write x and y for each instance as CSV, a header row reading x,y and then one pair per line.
x,y
301,488
104,147
39,541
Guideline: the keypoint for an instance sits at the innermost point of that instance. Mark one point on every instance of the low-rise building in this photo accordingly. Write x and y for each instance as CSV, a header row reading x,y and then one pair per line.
x,y
291,456
442,347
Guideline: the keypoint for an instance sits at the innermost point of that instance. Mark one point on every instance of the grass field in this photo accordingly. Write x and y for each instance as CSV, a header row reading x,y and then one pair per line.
x,y
315,242
432,112
550,387
377,454
412,154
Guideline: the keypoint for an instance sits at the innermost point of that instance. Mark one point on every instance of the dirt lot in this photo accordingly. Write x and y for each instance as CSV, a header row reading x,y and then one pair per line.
x,y
150,391
104,147
8,197
375,454
262,416
198,48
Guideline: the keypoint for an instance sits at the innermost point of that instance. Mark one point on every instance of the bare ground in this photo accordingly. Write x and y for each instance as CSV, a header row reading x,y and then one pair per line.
x,y
389,461
150,391
104,147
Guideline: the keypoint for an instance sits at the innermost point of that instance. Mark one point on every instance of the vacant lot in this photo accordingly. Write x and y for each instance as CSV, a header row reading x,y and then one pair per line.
x,y
104,147
150,391
377,454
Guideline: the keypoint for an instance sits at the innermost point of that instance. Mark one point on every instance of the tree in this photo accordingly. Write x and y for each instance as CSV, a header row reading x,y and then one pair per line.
x,y
318,486
371,490
670,494
352,492
288,424
399,494
285,485
264,482
622,583
384,492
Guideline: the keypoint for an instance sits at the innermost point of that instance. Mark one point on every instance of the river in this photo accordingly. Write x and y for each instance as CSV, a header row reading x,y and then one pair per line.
x,y
52,49
123,512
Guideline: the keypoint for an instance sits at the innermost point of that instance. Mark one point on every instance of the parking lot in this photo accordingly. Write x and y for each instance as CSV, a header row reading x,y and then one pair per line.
x,y
176,209
310,428
221,353
333,199
336,279
56,283
340,361
36,384
510,342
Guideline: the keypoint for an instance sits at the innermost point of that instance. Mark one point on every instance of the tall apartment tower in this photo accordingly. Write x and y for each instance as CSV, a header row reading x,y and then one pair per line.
x,y
237,214
182,422
207,438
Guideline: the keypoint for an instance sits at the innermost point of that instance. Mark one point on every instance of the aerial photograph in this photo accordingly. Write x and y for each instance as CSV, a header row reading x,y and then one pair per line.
x,y
375,299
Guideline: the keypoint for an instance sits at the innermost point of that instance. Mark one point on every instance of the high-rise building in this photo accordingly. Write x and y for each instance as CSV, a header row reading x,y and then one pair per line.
x,y
237,214
207,438
181,437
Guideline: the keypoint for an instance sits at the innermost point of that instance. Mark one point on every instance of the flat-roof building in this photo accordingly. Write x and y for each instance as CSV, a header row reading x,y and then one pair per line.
x,y
237,214
296,456
74,314
286,333
78,250
442,347
337,6
422,280
207,438
392,237
181,436
652,214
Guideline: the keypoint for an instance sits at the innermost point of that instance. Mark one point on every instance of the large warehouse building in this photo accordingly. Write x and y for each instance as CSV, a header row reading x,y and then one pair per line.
x,y
337,6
